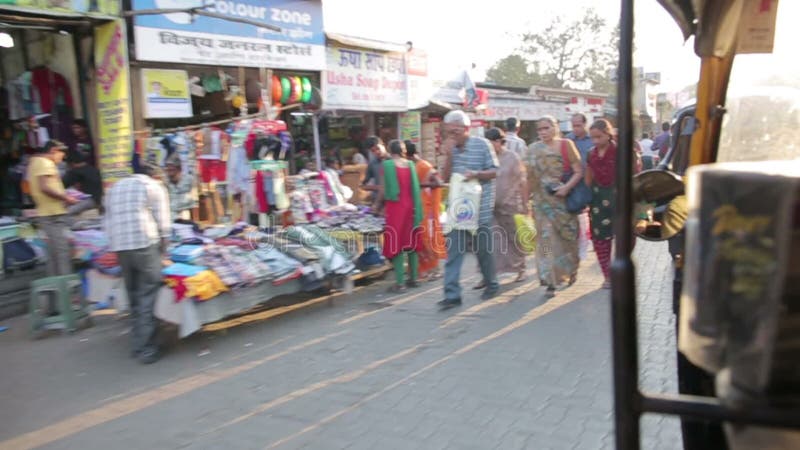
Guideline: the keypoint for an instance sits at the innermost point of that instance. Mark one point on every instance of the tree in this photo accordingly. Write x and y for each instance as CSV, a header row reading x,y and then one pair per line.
x,y
512,71
577,54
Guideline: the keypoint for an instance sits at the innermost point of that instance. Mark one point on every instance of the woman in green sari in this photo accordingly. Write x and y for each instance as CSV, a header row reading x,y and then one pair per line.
x,y
403,212
557,229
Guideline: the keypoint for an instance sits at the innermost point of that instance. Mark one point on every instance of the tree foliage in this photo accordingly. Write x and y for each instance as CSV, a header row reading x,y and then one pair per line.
x,y
565,54
513,71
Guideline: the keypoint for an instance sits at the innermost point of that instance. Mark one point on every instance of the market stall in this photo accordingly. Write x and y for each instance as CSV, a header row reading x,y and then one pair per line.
x,y
221,270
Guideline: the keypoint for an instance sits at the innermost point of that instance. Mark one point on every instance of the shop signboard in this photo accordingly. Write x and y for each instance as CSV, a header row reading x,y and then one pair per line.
x,y
195,39
100,7
114,124
364,80
166,93
420,89
411,127
523,109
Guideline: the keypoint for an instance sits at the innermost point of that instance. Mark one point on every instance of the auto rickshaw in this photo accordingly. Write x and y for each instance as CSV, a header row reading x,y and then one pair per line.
x,y
734,117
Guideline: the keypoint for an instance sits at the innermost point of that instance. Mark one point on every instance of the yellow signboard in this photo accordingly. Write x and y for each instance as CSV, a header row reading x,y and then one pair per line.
x,y
101,7
113,100
166,93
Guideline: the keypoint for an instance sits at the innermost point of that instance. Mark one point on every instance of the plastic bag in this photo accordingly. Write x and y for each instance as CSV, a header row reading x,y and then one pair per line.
x,y
463,205
526,233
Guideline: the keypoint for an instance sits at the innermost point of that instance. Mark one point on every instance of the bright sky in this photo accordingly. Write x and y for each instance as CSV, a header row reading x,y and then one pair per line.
x,y
455,35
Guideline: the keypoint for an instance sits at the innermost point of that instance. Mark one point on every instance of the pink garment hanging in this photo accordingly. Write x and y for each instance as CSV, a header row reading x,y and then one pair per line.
x,y
327,184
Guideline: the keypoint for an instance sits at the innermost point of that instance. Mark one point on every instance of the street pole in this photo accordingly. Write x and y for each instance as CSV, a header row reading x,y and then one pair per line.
x,y
627,398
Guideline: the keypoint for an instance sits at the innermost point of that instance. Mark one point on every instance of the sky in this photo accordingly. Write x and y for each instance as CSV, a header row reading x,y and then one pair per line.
x,y
455,35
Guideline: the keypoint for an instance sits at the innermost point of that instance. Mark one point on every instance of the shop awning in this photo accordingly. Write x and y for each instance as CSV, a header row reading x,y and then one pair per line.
x,y
361,42
21,15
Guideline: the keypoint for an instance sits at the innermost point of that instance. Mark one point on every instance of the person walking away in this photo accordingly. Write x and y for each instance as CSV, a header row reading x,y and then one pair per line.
x,y
557,229
662,142
137,223
403,211
49,196
580,137
601,179
512,198
513,142
649,157
85,178
474,158
181,189
433,245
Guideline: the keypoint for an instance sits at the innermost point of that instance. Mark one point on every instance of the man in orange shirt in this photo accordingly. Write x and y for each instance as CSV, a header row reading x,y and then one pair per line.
x,y
50,199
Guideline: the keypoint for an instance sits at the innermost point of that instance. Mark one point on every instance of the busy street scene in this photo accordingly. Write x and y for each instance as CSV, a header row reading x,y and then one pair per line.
x,y
318,224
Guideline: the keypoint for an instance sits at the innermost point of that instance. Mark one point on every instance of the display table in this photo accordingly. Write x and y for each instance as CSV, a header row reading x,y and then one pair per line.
x,y
190,316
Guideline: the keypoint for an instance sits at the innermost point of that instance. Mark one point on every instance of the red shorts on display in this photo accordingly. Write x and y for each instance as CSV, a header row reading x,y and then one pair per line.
x,y
212,170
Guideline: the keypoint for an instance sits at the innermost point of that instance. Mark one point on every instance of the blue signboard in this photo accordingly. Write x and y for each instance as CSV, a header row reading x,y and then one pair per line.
x,y
182,37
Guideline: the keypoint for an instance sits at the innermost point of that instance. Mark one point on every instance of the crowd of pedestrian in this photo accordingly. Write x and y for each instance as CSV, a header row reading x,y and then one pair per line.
x,y
516,179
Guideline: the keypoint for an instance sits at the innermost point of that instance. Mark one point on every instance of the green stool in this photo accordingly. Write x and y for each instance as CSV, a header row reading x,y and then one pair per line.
x,y
65,293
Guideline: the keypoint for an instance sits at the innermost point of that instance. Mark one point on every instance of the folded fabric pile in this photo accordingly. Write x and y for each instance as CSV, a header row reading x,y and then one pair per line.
x,y
195,282
234,266
86,244
332,255
186,253
204,286
278,263
352,220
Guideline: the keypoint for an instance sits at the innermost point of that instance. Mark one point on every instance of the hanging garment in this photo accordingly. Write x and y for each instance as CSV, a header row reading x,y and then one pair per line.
x,y
260,193
279,191
269,187
238,170
53,89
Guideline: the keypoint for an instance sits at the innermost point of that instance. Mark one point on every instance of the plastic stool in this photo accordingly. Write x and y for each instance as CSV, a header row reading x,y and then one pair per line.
x,y
66,293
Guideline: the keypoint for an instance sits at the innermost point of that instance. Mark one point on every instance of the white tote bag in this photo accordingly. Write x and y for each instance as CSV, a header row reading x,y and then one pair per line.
x,y
463,204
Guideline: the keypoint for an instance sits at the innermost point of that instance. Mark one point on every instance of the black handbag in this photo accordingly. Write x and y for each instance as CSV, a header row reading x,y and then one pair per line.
x,y
581,195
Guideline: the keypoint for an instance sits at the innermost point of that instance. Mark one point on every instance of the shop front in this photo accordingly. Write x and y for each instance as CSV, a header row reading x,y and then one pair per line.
x,y
56,63
365,89
224,89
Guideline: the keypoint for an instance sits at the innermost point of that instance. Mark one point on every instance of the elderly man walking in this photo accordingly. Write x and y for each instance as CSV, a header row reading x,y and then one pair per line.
x,y
475,159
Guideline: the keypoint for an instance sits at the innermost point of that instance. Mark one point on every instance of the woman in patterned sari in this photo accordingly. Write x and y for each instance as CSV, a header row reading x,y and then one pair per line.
x,y
433,245
557,229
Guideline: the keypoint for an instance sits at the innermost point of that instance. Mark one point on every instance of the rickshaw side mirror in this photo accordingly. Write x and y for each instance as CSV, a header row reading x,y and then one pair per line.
x,y
659,195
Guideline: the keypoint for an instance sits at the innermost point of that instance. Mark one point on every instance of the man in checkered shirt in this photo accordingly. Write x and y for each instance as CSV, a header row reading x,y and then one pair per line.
x,y
513,141
137,223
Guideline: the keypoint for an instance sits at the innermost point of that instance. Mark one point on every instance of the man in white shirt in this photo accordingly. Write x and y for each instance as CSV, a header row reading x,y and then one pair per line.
x,y
137,223
649,156
513,141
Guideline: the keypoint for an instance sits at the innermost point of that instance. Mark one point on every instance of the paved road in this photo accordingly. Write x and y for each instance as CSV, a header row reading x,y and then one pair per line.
x,y
368,371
